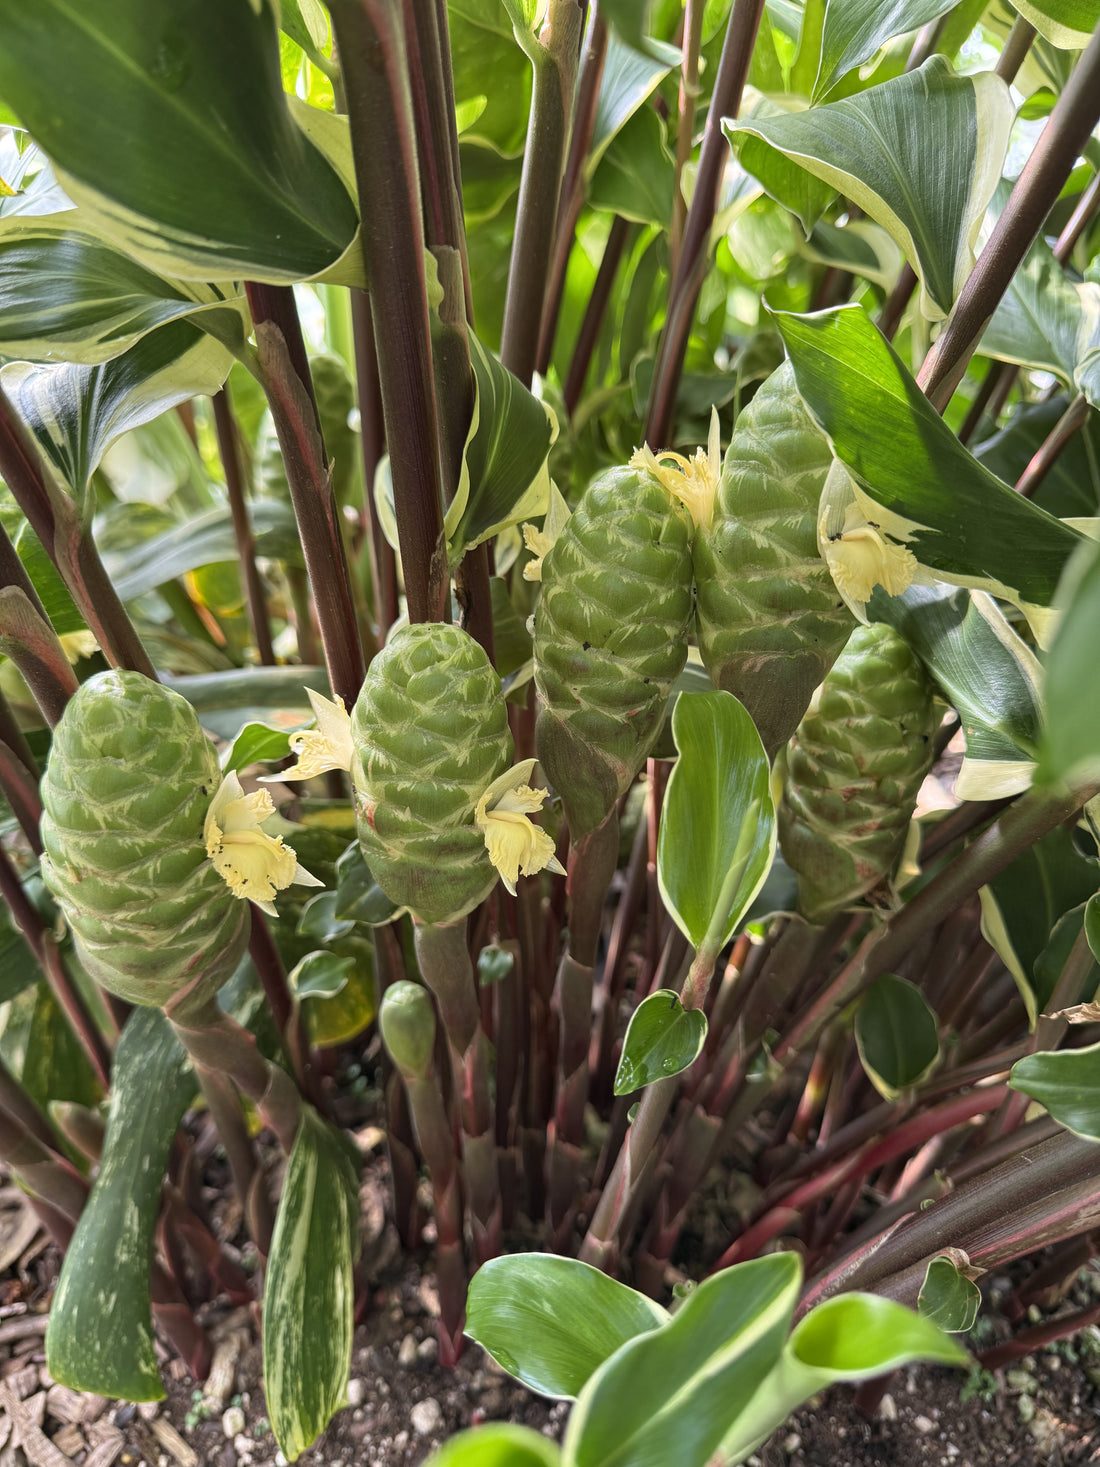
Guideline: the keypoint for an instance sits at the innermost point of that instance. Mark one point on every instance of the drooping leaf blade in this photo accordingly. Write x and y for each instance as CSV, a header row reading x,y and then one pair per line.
x,y
717,835
197,159
921,155
309,1292
110,1350
662,1039
854,31
552,1322
896,1035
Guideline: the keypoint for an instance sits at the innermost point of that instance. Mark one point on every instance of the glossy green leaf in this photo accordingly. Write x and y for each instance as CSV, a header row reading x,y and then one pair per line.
x,y
1071,746
849,1338
505,476
783,177
65,293
319,975
1072,485
859,246
662,1039
628,19
497,1444
52,591
717,835
205,540
359,898
319,920
38,1044
636,176
77,412
1021,905
309,1294
492,76
912,476
671,1395
552,1322
896,1035
226,700
948,1299
494,964
18,969
890,149
1068,24
257,743
110,1350
1067,1083
854,31
198,162
1048,966
629,78
986,670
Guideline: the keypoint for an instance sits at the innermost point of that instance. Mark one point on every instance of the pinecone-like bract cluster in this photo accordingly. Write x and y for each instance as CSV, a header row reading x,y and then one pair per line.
x,y
854,769
771,623
129,781
611,629
430,732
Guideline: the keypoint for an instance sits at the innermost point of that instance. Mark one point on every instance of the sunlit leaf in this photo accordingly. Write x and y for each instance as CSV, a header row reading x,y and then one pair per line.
x,y
662,1039
1067,1084
854,31
948,1298
1068,24
497,1444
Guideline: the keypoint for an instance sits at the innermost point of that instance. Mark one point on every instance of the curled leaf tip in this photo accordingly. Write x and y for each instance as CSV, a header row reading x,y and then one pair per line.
x,y
515,844
254,865
328,746
693,481
860,558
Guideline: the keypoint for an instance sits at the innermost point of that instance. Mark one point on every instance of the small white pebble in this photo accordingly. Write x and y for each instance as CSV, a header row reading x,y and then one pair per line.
x,y
427,1349
923,1424
357,1390
233,1422
280,1460
426,1416
401,1441
791,1443
888,1409
406,1355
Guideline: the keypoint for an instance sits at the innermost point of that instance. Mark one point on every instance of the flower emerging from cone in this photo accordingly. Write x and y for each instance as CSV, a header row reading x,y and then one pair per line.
x,y
861,557
516,846
328,746
254,865
694,481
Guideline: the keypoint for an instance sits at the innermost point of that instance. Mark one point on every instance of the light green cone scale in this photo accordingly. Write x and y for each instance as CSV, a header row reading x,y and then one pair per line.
x,y
771,622
126,790
430,733
611,629
853,772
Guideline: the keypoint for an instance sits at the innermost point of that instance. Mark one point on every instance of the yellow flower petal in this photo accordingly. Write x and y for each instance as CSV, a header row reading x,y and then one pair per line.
x,y
254,865
539,543
515,845
694,481
328,746
861,558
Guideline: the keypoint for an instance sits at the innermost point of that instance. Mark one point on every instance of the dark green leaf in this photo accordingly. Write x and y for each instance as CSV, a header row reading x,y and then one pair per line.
x,y
552,1322
948,1298
257,743
662,1039
1067,1084
110,1350
854,31
1072,485
196,162
1054,956
309,1295
359,898
319,919
493,965
717,835
636,175
628,18
319,975
39,1046
896,1034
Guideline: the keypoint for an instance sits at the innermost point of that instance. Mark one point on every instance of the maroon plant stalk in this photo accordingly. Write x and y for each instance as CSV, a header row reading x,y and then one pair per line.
x,y
54,518
372,437
286,1013
13,736
689,93
446,969
371,44
1046,456
618,236
21,792
389,968
229,449
607,996
1030,1340
33,645
573,183
295,417
554,64
248,1177
733,70
1074,116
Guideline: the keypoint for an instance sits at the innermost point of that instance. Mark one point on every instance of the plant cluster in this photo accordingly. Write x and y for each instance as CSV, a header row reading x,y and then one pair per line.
x,y
506,504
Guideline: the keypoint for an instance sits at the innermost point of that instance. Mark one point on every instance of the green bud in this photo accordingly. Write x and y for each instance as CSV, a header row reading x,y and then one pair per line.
x,y
771,622
611,629
335,393
406,1020
125,794
430,734
854,769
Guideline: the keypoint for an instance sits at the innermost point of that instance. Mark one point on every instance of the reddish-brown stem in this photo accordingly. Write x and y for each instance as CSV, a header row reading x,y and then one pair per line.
x,y
594,312
229,448
383,562
685,128
21,792
733,69
1071,422
898,299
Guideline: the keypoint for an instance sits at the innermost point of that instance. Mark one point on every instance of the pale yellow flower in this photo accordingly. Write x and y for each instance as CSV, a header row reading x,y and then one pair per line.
x,y
515,845
860,558
76,645
539,543
328,746
253,864
693,481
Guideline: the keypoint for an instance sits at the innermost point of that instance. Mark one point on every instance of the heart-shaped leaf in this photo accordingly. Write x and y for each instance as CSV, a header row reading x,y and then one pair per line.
x,y
662,1039
896,1035
948,1298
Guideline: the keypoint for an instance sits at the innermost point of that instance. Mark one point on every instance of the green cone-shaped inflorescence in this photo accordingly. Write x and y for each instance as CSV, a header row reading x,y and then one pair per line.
x,y
771,623
335,393
854,769
430,734
406,1020
129,781
611,628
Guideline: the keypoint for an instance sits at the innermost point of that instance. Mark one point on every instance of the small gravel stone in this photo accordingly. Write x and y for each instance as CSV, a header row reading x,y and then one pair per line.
x,y
791,1443
426,1416
357,1390
923,1424
427,1350
233,1422
888,1409
406,1356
